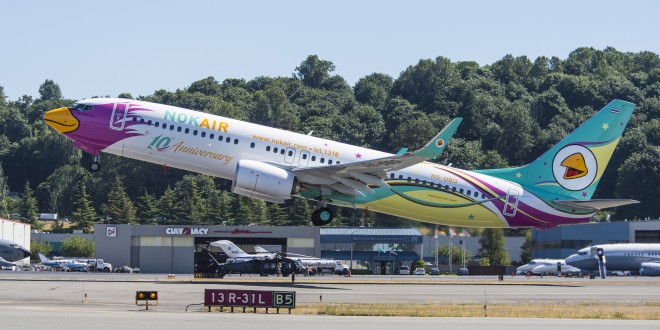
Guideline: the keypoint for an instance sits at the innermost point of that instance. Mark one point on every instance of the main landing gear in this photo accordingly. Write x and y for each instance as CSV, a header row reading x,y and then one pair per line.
x,y
323,215
95,166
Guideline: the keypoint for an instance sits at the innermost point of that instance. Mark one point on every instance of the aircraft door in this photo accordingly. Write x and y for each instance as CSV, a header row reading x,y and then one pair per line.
x,y
118,118
290,155
511,203
304,158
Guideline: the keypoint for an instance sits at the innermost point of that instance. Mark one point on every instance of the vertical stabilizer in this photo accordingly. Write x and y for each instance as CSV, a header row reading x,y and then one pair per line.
x,y
573,167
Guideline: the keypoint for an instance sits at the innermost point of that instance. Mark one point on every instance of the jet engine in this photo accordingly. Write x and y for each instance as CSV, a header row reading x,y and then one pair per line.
x,y
264,181
650,269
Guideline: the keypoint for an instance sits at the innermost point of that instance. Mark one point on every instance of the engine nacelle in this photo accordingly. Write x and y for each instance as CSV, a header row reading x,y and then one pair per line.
x,y
264,181
650,269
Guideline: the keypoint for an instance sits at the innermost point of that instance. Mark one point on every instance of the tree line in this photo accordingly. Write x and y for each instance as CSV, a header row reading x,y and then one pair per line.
x,y
514,110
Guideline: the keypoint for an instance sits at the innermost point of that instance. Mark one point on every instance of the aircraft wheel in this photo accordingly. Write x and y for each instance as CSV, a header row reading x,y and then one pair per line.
x,y
94,166
322,216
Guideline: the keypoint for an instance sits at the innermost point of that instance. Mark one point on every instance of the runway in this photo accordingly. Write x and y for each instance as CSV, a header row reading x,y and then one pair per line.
x,y
29,297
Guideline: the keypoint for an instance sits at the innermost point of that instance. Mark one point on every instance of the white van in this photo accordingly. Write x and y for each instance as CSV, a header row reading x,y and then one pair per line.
x,y
404,270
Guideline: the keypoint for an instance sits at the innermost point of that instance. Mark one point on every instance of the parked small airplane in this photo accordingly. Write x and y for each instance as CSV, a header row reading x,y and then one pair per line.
x,y
275,165
318,265
11,252
637,257
550,267
533,264
66,264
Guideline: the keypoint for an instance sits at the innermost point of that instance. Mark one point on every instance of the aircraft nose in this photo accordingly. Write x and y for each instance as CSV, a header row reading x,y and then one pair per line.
x,y
62,120
26,252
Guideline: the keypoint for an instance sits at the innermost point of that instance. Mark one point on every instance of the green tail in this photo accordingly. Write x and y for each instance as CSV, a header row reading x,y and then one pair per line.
x,y
573,167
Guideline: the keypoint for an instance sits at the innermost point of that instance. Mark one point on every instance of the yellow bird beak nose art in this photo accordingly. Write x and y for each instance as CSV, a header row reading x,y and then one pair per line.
x,y
575,166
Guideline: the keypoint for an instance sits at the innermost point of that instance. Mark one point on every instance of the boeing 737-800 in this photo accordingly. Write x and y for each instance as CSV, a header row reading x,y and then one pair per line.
x,y
275,165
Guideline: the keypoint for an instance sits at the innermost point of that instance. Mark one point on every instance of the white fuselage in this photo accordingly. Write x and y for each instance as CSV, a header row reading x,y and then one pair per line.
x,y
620,257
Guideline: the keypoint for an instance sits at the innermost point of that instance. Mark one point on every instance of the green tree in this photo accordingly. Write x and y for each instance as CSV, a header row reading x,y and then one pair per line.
x,y
457,253
119,206
527,247
300,212
493,247
76,246
84,215
27,207
313,71
168,205
4,195
49,90
147,209
417,264
39,246
191,208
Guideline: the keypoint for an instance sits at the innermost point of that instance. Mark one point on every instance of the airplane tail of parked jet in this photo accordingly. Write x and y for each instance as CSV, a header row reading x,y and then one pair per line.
x,y
234,251
43,258
568,173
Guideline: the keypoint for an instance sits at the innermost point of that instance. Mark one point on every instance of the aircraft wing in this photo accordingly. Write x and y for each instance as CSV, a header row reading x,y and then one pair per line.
x,y
354,178
595,204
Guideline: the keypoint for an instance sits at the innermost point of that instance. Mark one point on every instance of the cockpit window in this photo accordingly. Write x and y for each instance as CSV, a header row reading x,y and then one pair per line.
x,y
81,107
582,253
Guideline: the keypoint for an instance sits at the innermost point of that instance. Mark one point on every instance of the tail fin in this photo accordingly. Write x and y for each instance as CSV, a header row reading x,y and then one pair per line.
x,y
43,258
229,248
573,167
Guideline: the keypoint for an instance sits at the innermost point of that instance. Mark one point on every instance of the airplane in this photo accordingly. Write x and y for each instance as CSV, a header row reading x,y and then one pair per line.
x,y
276,165
238,255
318,265
11,252
67,264
533,264
550,267
637,257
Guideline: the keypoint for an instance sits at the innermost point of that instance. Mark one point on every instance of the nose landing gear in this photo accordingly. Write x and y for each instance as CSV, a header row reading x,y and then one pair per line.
x,y
95,166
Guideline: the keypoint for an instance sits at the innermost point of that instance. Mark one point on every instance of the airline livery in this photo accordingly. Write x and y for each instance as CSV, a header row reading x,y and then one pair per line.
x,y
275,165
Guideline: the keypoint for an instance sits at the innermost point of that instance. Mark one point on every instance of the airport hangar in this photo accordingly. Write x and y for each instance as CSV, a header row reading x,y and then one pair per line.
x,y
180,248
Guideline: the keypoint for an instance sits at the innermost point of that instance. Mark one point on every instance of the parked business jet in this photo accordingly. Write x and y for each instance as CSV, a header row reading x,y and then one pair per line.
x,y
234,252
550,267
533,264
619,257
68,264
11,252
275,165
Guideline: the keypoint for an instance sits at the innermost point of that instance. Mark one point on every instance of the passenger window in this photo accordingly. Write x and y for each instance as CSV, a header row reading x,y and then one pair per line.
x,y
267,148
483,196
178,129
476,194
252,145
164,126
171,127
149,122
409,179
141,120
211,136
391,175
275,150
313,158
203,134
235,141
329,160
400,176
195,132
282,151
134,119
322,160
156,124
304,156
290,153
187,130
416,181
460,191
453,189
431,184
220,138
228,139
338,162
469,192
424,183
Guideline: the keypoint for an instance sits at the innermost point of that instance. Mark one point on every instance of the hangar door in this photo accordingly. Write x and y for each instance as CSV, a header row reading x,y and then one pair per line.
x,y
164,255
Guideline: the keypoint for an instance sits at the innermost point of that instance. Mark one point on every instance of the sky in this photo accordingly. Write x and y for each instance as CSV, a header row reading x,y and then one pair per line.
x,y
99,48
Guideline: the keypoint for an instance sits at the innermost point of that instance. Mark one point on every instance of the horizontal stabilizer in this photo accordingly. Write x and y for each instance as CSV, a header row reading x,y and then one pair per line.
x,y
595,204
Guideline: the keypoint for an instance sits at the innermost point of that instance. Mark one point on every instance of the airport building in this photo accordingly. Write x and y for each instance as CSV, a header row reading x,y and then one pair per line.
x,y
180,249
562,241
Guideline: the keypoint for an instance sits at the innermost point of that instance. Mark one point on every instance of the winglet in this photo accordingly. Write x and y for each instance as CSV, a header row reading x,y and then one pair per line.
x,y
402,151
437,145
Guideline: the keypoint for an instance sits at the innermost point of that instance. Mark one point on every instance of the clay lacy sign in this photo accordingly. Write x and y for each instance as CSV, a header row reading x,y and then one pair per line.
x,y
185,231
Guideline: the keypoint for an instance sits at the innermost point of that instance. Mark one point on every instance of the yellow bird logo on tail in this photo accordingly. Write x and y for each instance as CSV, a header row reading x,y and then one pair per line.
x,y
575,166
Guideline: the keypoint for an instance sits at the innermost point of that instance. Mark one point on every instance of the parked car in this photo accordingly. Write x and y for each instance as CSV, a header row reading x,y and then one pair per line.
x,y
435,271
420,271
404,270
463,271
124,269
